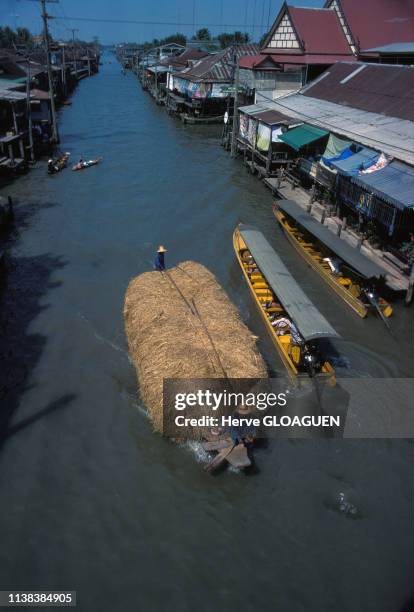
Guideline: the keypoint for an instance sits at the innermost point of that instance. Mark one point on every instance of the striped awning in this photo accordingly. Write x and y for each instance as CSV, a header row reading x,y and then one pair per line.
x,y
394,184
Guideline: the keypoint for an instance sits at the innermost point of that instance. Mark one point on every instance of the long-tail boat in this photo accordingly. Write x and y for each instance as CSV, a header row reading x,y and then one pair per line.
x,y
354,277
81,165
57,164
295,325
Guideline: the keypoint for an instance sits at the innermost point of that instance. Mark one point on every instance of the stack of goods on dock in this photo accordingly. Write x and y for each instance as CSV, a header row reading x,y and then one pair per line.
x,y
181,324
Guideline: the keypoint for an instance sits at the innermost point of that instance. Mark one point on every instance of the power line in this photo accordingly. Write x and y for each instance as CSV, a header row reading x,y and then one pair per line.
x,y
161,23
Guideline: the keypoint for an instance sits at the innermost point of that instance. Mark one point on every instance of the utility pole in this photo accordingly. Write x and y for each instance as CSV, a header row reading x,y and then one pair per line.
x,y
29,112
45,17
64,69
73,30
235,110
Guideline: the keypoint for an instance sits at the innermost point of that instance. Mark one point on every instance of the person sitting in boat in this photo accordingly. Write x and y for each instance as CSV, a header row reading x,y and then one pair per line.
x,y
159,263
285,326
50,166
80,162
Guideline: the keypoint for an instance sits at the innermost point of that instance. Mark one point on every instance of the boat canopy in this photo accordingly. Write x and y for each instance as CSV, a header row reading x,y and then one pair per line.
x,y
309,321
339,247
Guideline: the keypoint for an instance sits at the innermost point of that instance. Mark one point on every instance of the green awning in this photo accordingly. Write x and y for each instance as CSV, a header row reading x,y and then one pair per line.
x,y
300,136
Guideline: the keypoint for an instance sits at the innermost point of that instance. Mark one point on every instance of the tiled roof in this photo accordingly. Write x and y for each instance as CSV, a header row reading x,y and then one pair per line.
x,y
308,58
257,61
319,31
379,22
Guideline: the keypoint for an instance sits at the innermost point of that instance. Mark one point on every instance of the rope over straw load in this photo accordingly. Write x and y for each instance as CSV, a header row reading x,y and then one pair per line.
x,y
181,324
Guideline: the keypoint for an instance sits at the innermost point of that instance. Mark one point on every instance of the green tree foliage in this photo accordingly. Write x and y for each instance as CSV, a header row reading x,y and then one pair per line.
x,y
9,38
178,38
227,38
202,34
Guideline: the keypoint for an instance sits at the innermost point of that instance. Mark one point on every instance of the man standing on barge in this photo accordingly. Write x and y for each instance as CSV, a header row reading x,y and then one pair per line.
x,y
159,263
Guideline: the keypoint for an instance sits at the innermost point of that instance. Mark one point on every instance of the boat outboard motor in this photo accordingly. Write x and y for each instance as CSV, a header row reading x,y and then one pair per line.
x,y
370,297
334,263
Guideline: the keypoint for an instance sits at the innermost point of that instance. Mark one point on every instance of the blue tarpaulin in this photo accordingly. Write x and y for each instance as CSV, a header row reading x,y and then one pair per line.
x,y
344,155
353,164
394,184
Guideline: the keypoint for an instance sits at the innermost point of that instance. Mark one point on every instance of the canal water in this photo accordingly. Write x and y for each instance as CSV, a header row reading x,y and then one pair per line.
x,y
91,499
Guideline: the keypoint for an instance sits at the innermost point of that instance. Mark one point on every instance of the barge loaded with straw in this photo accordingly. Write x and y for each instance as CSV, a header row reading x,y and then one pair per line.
x,y
180,324
296,327
353,277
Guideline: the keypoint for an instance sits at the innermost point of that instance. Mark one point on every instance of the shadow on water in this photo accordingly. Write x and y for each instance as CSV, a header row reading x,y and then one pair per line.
x,y
408,606
27,281
9,431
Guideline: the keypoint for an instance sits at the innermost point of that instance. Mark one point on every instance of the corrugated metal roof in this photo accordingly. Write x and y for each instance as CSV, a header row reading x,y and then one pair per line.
x,y
157,68
394,184
377,88
309,321
345,251
272,117
178,62
218,68
252,109
400,47
394,137
11,96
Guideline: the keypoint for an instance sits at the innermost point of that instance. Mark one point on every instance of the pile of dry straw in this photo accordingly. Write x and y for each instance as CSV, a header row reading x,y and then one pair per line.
x,y
181,324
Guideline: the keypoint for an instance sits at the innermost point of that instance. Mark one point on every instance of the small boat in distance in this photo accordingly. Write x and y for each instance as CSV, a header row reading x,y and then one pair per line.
x,y
57,164
87,164
354,277
294,324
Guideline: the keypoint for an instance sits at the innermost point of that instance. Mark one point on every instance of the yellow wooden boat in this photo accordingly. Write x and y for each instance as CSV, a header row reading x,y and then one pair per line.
x,y
293,322
351,275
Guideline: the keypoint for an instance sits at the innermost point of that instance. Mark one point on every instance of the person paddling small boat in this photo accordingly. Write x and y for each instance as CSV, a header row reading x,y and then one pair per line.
x,y
81,165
